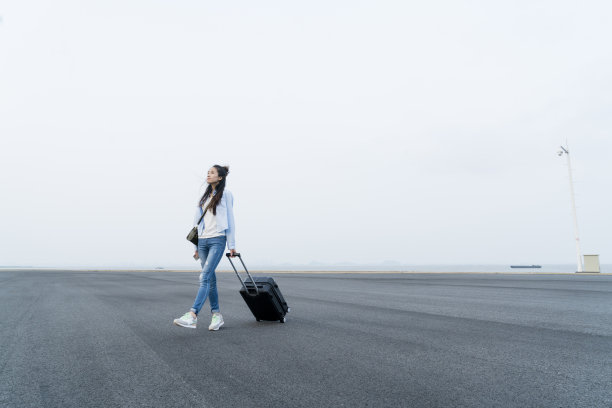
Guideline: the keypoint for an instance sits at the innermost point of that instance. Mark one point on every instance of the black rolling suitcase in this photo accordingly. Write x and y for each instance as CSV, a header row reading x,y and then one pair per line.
x,y
262,295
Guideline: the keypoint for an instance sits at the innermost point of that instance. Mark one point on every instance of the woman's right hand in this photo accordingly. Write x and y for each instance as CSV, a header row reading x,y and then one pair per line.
x,y
196,256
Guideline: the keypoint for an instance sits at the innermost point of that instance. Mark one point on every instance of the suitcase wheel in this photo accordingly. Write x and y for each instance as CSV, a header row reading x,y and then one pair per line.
x,y
259,320
283,320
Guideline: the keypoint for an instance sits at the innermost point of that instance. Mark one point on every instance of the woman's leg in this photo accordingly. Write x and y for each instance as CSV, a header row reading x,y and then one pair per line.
x,y
203,251
211,252
217,247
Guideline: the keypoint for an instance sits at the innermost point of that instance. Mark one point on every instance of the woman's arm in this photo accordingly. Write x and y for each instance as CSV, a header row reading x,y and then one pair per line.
x,y
231,228
196,218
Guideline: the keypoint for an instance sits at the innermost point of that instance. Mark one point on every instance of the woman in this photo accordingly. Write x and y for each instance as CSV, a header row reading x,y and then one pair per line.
x,y
214,231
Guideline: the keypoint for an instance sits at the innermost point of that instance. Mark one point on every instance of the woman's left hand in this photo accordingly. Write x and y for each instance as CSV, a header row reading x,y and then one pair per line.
x,y
232,253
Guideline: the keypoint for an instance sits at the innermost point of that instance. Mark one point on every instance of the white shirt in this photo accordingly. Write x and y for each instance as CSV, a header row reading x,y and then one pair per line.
x,y
225,218
210,223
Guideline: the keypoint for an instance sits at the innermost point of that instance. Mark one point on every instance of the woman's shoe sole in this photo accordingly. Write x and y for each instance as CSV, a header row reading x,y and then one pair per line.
x,y
182,325
222,323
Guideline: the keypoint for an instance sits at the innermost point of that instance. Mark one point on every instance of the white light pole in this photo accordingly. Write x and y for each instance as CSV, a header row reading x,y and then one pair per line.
x,y
565,151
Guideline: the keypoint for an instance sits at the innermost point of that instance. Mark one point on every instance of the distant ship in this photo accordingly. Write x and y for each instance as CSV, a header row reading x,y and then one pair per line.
x,y
525,266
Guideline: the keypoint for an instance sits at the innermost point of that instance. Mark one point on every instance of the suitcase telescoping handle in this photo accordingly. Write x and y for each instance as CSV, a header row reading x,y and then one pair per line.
x,y
229,257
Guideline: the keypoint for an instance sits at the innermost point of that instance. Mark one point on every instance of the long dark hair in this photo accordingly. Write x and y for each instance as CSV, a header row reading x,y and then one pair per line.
x,y
222,171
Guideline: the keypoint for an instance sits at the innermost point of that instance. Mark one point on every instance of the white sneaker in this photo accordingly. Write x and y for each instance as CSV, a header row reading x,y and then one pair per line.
x,y
216,322
187,320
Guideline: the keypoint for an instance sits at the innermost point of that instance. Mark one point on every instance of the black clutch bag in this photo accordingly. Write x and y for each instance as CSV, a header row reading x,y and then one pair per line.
x,y
193,234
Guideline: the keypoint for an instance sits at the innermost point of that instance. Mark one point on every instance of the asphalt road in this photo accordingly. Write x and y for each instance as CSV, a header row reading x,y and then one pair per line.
x,y
106,339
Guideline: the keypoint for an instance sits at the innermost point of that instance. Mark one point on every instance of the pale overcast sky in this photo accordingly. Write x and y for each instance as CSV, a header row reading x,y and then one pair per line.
x,y
362,131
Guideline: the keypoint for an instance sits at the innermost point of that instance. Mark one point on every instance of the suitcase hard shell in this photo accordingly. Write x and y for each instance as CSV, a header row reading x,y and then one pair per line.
x,y
262,295
268,303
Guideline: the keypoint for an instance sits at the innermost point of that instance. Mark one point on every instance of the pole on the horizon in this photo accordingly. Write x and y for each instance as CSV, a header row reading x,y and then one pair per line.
x,y
565,150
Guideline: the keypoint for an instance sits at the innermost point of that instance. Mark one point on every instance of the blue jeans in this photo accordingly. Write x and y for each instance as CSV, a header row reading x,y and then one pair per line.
x,y
210,251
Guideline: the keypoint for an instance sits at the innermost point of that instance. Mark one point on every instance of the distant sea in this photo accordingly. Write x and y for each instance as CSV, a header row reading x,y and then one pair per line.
x,y
546,268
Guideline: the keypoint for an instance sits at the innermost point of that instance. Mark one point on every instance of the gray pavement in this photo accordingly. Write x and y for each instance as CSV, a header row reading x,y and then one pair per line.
x,y
106,339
